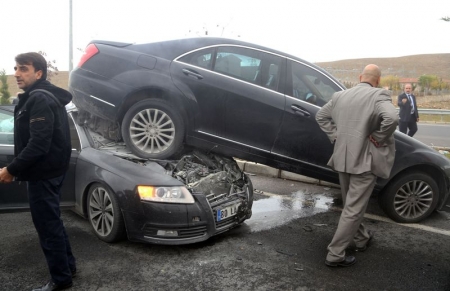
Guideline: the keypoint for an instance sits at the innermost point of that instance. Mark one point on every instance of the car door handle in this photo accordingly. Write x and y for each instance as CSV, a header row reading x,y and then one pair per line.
x,y
190,73
301,111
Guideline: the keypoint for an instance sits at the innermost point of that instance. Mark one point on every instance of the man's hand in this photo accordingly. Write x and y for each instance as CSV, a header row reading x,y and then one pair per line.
x,y
404,100
5,176
372,140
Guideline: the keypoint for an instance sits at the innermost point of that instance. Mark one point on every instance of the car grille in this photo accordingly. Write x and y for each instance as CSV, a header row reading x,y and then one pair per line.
x,y
217,201
225,223
183,232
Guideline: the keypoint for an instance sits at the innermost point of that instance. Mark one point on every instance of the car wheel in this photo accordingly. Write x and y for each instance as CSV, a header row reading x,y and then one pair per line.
x,y
410,198
250,193
104,214
153,129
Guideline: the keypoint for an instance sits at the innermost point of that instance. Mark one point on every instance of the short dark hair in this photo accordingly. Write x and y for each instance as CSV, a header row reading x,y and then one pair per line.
x,y
34,59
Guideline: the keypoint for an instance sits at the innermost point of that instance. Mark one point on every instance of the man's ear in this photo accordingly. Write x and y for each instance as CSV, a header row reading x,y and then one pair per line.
x,y
39,74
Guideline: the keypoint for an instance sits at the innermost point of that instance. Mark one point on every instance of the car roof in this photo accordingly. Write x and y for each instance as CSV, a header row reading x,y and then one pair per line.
x,y
172,49
9,108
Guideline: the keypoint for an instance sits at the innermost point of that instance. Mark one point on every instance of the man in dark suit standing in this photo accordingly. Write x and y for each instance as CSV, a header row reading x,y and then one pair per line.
x,y
409,115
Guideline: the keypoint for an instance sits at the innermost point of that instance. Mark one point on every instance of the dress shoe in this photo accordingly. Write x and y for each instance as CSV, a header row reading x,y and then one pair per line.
x,y
364,248
51,286
347,262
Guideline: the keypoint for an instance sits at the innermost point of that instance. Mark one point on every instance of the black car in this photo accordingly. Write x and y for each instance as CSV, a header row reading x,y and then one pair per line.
x,y
158,201
237,99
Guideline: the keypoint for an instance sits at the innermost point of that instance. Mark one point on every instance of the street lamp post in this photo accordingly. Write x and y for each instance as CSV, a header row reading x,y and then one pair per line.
x,y
70,38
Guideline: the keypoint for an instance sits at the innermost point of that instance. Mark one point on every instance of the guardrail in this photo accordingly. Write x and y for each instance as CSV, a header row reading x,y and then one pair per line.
x,y
433,111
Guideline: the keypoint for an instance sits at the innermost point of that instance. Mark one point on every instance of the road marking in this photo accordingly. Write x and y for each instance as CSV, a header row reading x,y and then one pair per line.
x,y
369,216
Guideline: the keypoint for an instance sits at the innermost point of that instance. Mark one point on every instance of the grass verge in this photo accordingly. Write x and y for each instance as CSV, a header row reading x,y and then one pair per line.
x,y
435,117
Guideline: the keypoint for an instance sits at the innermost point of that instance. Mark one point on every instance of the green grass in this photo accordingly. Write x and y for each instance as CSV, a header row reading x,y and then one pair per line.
x,y
435,117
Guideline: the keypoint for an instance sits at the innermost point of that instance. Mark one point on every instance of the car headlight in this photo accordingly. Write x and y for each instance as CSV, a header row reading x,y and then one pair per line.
x,y
165,194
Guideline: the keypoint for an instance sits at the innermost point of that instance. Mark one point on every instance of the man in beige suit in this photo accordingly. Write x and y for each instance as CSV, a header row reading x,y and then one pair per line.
x,y
360,122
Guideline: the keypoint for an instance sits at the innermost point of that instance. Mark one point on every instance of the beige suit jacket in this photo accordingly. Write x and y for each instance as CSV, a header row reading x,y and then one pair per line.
x,y
349,118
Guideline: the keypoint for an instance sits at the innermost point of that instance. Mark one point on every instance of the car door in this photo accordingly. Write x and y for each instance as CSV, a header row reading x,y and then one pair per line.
x,y
13,196
238,93
300,138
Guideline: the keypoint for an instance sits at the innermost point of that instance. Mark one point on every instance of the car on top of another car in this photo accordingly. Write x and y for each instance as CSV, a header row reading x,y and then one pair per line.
x,y
241,100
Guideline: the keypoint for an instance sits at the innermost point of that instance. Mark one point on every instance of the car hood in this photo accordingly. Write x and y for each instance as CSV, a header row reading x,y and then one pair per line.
x,y
411,152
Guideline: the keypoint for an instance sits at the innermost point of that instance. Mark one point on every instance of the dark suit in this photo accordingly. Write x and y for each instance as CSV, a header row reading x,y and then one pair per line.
x,y
408,116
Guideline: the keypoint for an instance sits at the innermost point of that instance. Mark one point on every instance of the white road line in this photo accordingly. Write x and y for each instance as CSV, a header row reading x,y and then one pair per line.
x,y
371,216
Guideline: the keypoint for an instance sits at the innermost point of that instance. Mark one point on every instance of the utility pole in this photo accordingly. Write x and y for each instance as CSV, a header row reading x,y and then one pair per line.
x,y
70,38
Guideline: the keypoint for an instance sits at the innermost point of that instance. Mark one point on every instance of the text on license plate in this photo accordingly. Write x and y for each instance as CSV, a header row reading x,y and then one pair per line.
x,y
227,212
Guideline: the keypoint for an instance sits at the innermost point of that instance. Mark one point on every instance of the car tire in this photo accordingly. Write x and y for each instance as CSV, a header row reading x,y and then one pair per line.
x,y
410,198
152,128
104,214
250,192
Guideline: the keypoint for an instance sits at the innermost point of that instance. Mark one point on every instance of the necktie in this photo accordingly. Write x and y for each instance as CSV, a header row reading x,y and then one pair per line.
x,y
412,103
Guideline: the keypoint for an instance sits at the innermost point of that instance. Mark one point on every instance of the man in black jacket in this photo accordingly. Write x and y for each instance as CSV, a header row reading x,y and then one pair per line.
x,y
409,115
42,153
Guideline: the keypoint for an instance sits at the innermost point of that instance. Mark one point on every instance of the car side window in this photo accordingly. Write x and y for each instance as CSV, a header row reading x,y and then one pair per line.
x,y
201,58
240,63
6,128
311,85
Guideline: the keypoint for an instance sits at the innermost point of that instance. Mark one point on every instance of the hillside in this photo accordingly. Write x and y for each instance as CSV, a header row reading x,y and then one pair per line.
x,y
344,70
402,67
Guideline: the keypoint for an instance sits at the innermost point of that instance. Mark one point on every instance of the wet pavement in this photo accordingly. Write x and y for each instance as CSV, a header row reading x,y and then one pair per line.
x,y
282,247
276,210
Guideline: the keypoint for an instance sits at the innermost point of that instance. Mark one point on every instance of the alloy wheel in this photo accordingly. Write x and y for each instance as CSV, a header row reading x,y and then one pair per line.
x,y
101,211
413,199
152,131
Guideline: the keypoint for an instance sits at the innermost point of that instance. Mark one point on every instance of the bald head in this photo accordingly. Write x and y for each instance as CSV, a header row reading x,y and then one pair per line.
x,y
371,74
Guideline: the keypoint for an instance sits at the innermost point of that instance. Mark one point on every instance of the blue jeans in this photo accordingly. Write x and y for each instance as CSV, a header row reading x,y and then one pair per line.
x,y
44,196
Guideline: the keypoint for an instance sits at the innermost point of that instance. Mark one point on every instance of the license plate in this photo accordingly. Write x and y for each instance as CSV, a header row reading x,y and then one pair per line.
x,y
227,212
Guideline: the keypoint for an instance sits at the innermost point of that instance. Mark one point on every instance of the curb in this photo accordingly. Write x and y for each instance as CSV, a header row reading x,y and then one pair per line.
x,y
260,169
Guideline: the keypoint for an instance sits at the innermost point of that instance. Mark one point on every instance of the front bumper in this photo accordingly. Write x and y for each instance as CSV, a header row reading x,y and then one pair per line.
x,y
177,224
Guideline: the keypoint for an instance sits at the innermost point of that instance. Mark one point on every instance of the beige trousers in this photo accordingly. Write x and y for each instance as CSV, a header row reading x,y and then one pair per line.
x,y
356,191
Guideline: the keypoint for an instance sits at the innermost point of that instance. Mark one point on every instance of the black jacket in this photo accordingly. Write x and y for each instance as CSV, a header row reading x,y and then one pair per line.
x,y
41,134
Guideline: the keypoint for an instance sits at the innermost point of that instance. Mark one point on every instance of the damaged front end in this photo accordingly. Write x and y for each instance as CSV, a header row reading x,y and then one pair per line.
x,y
222,192
228,190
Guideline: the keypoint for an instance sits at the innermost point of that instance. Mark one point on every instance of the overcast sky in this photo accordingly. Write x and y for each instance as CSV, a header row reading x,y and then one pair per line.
x,y
315,30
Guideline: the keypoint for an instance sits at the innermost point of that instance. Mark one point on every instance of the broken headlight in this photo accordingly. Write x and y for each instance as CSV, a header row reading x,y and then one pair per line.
x,y
165,194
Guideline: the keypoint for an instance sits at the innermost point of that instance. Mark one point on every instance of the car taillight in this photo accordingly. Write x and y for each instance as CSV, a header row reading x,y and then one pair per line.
x,y
89,52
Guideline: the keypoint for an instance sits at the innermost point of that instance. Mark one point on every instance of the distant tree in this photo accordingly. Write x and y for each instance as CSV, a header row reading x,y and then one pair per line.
x,y
428,82
52,70
390,82
438,85
446,19
4,89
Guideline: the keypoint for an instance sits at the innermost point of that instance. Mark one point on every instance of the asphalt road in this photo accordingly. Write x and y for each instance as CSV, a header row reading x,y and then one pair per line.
x,y
282,247
434,134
